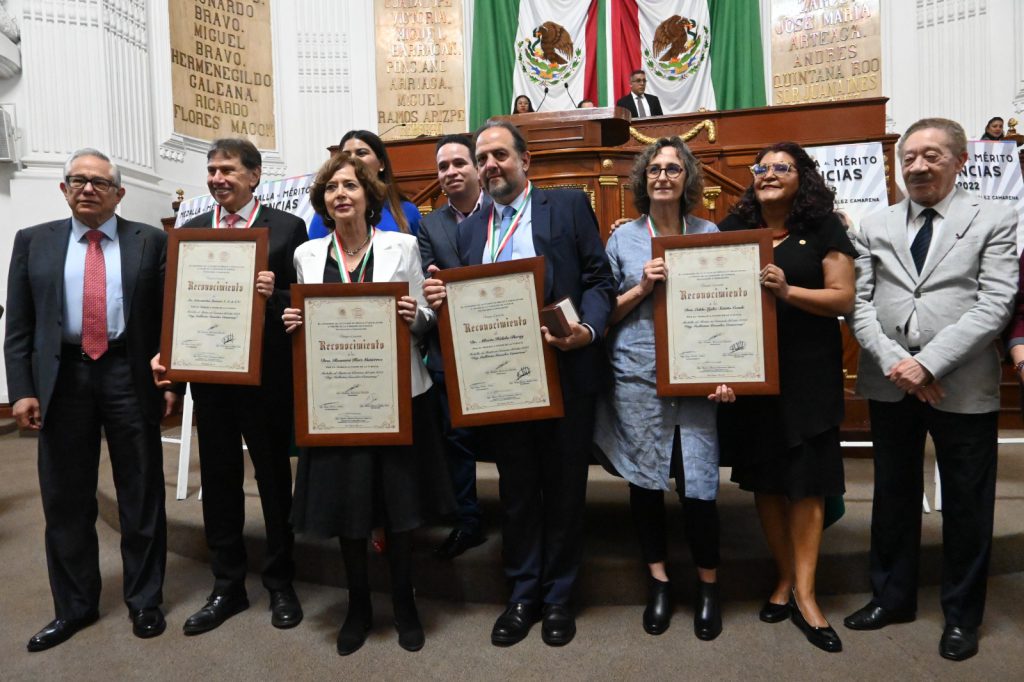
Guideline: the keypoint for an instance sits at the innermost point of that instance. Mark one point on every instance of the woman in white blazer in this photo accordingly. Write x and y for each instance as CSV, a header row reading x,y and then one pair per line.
x,y
345,492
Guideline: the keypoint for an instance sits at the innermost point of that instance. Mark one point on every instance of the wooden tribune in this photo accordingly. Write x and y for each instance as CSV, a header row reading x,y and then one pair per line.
x,y
251,377
769,332
500,415
301,369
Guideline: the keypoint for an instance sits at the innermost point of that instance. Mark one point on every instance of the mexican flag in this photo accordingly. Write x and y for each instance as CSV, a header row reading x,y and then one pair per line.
x,y
696,53
548,50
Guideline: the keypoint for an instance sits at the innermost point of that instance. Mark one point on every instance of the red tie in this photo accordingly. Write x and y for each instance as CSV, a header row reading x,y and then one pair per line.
x,y
94,299
232,219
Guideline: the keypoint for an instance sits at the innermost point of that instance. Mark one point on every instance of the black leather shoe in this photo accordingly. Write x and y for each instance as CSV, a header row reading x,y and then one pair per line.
x,y
513,625
219,607
357,622
457,542
407,620
874,617
825,638
59,631
658,614
285,609
958,644
559,625
707,616
148,623
773,613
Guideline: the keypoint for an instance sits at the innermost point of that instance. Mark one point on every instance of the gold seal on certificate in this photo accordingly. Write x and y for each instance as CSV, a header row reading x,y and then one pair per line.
x,y
714,323
498,367
352,378
213,316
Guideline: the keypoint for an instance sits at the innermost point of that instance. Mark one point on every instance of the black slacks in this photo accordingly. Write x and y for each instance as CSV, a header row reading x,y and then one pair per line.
x,y
263,417
965,449
542,469
91,395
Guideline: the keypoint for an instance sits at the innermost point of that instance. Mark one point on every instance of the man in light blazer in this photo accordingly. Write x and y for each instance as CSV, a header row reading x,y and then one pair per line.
x,y
650,104
936,279
438,242
83,318
542,465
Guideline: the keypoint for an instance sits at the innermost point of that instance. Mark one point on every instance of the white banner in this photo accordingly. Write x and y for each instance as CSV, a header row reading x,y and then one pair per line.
x,y
289,194
857,174
992,172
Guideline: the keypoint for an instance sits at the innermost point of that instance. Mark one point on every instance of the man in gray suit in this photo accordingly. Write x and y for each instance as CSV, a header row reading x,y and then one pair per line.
x,y
936,279
457,175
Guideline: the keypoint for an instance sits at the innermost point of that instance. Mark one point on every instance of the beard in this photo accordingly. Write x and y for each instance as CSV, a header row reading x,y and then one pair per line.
x,y
501,190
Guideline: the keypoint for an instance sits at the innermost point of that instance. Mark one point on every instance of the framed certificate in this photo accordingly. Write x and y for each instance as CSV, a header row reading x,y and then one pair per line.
x,y
213,316
498,368
713,322
352,370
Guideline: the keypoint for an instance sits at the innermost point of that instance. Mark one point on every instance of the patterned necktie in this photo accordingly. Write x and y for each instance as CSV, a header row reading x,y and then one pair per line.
x,y
94,298
507,214
923,239
232,219
641,110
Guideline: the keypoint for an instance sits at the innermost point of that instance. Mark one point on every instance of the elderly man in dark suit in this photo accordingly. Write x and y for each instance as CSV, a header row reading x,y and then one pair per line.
x,y
261,415
641,105
438,239
542,464
936,278
83,302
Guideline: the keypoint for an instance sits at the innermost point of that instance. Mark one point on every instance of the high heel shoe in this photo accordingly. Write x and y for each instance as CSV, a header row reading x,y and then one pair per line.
x,y
825,638
707,615
357,622
407,620
658,613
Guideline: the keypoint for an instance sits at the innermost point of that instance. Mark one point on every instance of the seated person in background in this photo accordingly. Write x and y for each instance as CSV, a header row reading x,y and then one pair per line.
x,y
993,129
640,104
522,105
585,104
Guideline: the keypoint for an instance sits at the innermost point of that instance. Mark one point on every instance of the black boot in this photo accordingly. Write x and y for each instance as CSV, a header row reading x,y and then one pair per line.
x,y
707,615
407,620
658,613
357,622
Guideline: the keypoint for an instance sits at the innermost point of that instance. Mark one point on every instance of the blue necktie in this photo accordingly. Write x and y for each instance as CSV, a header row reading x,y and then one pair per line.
x,y
506,222
923,239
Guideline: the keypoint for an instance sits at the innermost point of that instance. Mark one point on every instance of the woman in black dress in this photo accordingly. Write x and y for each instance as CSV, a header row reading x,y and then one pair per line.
x,y
345,492
785,449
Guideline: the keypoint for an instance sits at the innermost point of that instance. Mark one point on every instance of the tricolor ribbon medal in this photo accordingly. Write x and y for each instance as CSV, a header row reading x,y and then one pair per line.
x,y
489,245
343,267
248,223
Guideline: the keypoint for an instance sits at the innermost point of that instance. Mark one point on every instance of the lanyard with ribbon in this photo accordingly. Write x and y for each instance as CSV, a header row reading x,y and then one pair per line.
x,y
491,243
340,253
654,233
248,223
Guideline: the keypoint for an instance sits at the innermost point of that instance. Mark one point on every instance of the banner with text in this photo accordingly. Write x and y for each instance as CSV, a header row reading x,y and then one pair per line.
x,y
289,194
992,172
856,172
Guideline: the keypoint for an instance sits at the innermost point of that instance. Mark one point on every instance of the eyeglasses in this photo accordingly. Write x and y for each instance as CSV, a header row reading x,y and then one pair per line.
x,y
78,182
760,169
672,170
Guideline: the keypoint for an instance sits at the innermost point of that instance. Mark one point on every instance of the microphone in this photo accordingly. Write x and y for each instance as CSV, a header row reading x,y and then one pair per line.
x,y
397,125
542,98
570,95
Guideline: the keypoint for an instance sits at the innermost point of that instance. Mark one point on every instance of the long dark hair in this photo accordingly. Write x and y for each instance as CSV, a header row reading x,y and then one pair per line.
x,y
813,201
515,104
394,198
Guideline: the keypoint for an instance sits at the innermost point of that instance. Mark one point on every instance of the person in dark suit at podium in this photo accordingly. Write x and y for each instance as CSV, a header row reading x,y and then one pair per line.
x,y
84,300
542,465
640,104
458,177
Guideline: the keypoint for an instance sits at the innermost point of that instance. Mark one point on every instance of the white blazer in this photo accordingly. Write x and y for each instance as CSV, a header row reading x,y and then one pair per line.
x,y
396,258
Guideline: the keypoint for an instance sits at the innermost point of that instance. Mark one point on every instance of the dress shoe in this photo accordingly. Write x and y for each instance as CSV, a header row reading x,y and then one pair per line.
x,y
957,643
513,625
825,638
148,623
59,631
357,622
219,607
774,613
285,609
874,617
658,614
707,616
407,620
559,625
457,542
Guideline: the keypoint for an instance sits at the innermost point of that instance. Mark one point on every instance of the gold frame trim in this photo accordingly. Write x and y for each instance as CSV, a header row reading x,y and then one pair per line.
x,y
706,125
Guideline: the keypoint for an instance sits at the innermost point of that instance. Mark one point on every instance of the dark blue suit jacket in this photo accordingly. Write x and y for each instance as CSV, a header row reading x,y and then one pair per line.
x,y
565,232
